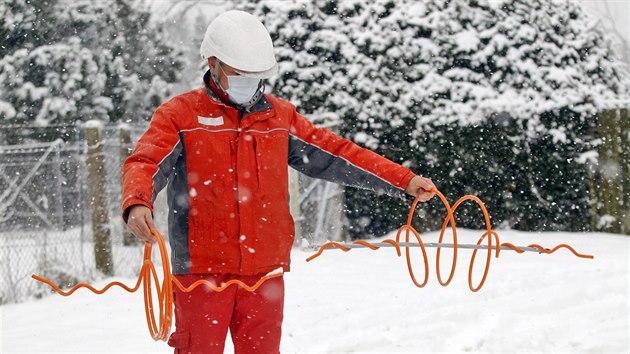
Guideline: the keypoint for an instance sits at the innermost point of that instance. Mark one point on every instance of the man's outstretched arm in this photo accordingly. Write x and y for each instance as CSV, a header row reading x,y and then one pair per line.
x,y
319,153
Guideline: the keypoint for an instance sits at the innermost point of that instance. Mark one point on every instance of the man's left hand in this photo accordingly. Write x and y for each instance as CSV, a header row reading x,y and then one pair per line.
x,y
421,187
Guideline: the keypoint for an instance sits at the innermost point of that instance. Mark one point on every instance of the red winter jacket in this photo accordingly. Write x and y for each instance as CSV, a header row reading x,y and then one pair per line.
x,y
227,176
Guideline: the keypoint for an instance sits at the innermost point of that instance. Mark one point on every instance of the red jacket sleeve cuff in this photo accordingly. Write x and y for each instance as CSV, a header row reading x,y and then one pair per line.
x,y
131,202
404,181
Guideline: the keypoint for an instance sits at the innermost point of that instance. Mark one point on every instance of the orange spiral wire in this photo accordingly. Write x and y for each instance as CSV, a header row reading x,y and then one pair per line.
x,y
160,326
491,235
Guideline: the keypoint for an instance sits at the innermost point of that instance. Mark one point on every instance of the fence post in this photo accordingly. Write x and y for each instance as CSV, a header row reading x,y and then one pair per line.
x,y
602,185
593,195
124,139
294,204
338,196
98,198
59,175
616,195
610,169
624,120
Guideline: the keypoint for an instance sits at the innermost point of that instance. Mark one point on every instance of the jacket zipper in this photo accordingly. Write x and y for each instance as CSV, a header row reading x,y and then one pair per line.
x,y
238,137
236,193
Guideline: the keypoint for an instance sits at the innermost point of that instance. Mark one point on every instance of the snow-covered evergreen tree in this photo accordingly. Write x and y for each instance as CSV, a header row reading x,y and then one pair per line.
x,y
65,61
496,98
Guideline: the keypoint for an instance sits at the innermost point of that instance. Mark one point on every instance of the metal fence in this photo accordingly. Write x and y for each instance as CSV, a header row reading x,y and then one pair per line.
x,y
45,208
45,225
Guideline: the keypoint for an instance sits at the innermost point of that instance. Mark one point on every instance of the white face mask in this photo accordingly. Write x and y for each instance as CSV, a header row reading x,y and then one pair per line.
x,y
241,89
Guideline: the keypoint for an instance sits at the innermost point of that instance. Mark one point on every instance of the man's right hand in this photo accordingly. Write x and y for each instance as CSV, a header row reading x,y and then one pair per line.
x,y
140,223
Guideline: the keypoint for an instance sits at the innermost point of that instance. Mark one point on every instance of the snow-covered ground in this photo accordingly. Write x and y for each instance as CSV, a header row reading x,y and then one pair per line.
x,y
363,301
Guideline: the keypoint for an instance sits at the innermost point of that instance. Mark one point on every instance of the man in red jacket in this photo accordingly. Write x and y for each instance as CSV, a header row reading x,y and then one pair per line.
x,y
223,153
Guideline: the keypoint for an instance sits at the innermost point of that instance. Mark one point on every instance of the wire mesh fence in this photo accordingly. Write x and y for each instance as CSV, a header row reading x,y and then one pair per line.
x,y
45,224
46,204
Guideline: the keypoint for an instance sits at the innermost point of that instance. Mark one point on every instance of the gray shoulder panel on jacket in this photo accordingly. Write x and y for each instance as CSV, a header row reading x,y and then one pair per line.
x,y
316,162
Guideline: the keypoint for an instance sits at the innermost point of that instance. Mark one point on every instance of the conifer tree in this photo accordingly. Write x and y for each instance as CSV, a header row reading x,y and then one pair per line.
x,y
495,98
66,61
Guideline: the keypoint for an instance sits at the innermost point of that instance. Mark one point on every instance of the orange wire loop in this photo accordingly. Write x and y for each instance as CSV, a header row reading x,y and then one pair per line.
x,y
489,234
160,326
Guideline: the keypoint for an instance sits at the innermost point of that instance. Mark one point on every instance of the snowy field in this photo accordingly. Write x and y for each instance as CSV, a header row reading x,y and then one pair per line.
x,y
364,301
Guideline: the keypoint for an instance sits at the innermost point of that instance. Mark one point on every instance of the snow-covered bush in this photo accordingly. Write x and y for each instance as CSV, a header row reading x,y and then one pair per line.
x,y
64,61
495,98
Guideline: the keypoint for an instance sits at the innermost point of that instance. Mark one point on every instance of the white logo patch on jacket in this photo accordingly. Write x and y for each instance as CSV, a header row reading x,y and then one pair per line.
x,y
213,121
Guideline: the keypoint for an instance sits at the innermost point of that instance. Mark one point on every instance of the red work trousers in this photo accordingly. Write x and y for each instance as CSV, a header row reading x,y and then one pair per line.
x,y
203,316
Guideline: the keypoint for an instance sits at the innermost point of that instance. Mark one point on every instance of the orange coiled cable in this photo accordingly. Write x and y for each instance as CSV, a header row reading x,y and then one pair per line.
x,y
491,235
159,327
